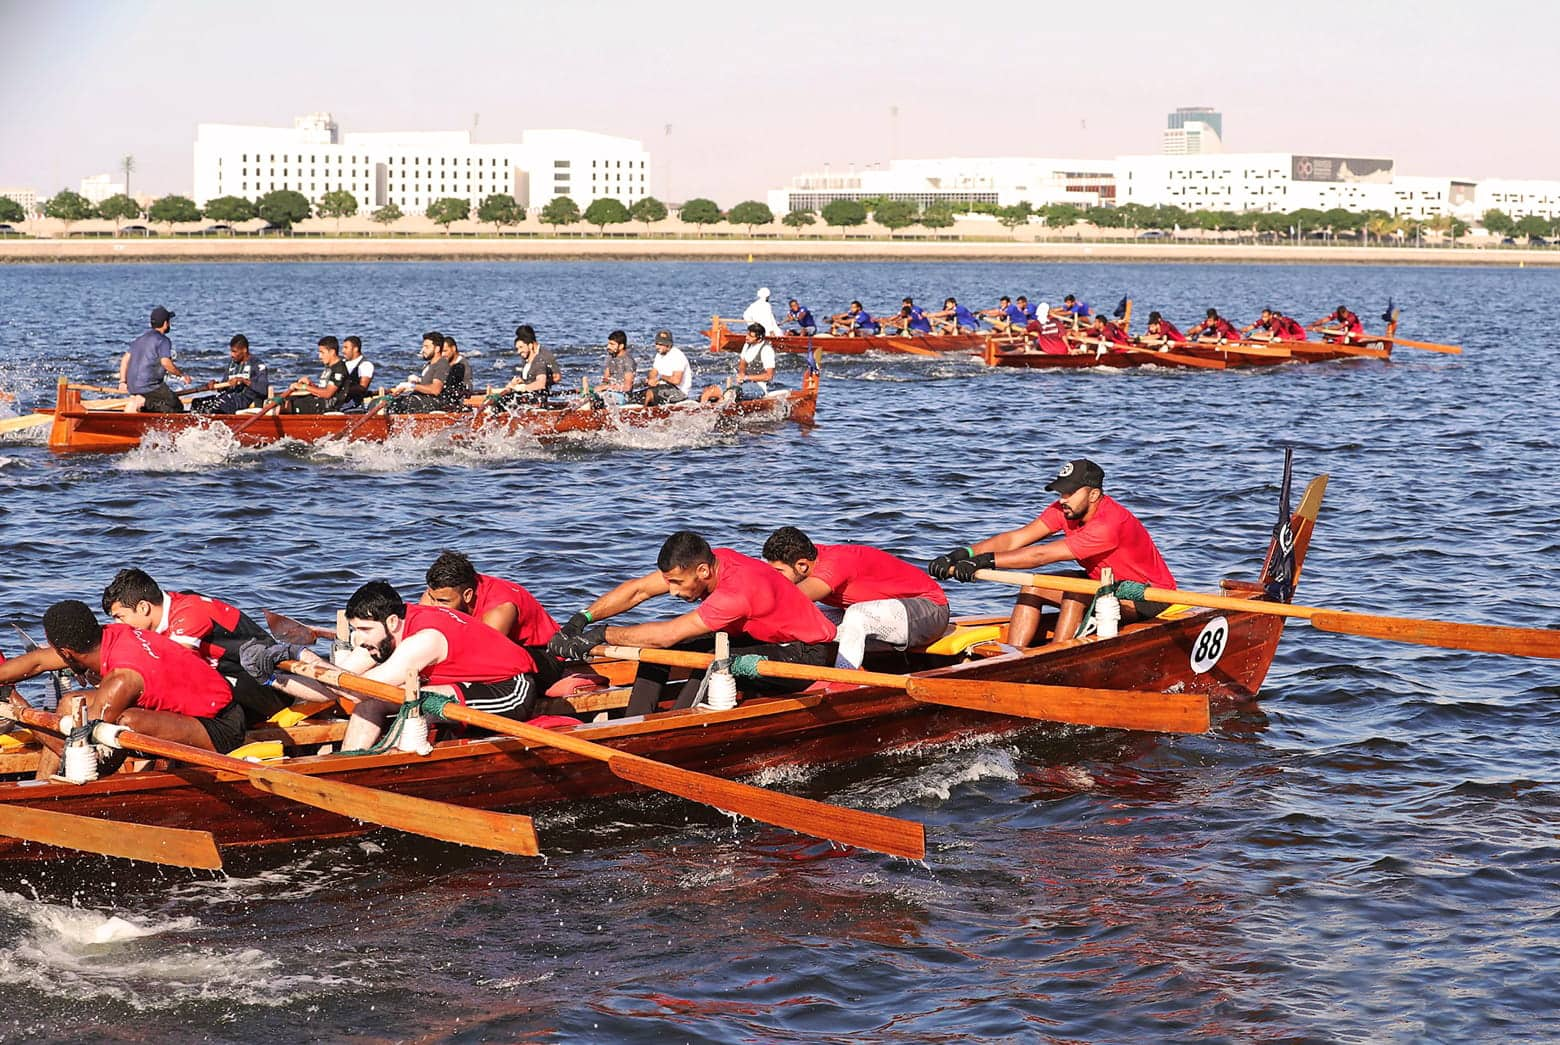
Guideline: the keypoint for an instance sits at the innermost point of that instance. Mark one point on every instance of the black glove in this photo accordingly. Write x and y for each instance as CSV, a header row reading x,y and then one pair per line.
x,y
577,647
259,658
942,566
576,624
964,569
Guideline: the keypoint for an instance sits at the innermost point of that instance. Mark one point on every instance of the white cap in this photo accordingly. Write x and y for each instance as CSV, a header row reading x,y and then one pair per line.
x,y
1042,309
763,293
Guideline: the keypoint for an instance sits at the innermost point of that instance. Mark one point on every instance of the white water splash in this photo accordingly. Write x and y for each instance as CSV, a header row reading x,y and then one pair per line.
x,y
939,779
404,451
188,450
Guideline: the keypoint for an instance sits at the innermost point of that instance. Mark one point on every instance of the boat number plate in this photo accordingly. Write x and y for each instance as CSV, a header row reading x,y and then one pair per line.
x,y
1210,644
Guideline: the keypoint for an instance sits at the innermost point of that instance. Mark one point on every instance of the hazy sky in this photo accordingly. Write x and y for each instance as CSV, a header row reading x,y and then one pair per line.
x,y
757,93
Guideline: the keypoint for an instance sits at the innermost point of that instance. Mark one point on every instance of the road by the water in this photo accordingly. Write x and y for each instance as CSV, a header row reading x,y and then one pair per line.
x,y
1369,854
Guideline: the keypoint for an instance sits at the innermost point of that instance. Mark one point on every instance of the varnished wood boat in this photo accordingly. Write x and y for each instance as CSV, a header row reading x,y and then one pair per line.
x,y
726,338
76,427
1197,355
1224,655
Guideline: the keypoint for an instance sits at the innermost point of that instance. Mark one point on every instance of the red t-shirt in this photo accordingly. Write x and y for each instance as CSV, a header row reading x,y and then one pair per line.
x,y
189,619
1168,331
477,653
751,598
1286,329
1350,322
173,677
857,573
1224,328
1048,335
532,627
1113,537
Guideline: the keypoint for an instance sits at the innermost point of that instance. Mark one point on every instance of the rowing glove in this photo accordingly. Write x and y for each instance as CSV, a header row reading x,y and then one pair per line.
x,y
577,647
577,623
259,658
942,566
964,569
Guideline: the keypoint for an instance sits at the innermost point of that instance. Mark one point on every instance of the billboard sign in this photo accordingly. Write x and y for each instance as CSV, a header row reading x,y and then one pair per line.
x,y
1340,169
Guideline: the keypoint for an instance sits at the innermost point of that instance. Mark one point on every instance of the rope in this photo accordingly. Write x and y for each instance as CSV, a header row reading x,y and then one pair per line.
x,y
745,666
432,704
1126,591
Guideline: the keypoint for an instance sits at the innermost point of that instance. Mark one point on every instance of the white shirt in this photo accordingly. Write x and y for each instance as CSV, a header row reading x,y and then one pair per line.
x,y
759,357
673,361
361,369
761,312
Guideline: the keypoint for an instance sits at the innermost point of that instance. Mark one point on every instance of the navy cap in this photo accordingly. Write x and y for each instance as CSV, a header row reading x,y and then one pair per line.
x,y
160,316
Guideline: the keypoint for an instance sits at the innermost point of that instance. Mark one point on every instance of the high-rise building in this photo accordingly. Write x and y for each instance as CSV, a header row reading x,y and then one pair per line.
x,y
27,197
1192,130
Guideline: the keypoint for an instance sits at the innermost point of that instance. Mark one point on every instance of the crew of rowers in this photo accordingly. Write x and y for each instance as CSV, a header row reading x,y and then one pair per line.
x,y
199,671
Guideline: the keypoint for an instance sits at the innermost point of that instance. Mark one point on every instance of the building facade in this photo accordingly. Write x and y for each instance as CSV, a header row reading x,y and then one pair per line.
x,y
100,187
1004,181
1192,131
28,198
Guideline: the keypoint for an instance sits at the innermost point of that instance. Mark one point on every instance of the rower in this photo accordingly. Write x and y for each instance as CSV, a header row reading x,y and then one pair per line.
x,y
504,606
761,312
420,394
671,375
248,381
458,384
853,321
360,371
1262,329
539,372
755,369
1096,531
617,376
1214,328
450,653
1161,333
1030,311
145,682
1073,312
910,319
954,318
1287,328
765,615
214,629
869,594
805,324
143,365
1339,325
1047,333
1006,318
1106,333
306,397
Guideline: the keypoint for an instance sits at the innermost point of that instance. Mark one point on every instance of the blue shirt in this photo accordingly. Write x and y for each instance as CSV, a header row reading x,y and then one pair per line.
x,y
1078,308
1029,311
965,318
864,321
1016,314
255,372
802,318
918,320
147,352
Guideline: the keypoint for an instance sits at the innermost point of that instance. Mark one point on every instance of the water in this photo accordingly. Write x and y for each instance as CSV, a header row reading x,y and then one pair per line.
x,y
1369,854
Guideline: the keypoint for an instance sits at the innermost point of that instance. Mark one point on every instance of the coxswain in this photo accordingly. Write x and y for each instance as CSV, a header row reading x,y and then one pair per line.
x,y
1096,532
801,317
330,393
539,372
214,629
761,312
755,369
617,376
144,681
420,393
144,364
1214,328
247,381
1340,324
1161,333
449,652
1287,328
671,375
869,594
360,371
1047,333
954,318
853,321
765,615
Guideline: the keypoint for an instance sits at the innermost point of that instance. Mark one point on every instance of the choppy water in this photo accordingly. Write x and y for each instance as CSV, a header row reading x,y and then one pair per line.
x,y
1368,855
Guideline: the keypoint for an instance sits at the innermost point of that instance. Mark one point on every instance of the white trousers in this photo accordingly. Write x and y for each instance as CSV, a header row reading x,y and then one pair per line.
x,y
894,622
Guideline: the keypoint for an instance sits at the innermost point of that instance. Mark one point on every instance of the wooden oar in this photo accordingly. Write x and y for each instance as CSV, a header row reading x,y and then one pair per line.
x,y
1428,346
1076,705
25,421
1172,357
270,408
1270,349
379,407
296,632
502,832
1481,638
882,834
173,846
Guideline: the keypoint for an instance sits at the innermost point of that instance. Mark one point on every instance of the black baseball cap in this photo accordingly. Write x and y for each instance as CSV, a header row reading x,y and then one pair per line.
x,y
1075,475
664,337
160,316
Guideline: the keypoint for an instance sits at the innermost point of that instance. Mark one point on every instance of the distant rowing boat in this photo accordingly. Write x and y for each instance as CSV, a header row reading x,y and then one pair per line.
x,y
724,338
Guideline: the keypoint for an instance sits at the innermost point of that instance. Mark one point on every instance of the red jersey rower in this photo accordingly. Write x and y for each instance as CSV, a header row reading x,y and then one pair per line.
x,y
1161,332
1339,324
867,593
1287,328
1095,531
1214,328
763,613
502,605
1103,332
1046,331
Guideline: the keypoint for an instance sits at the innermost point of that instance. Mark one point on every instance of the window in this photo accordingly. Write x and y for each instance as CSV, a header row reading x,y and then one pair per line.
x,y
563,164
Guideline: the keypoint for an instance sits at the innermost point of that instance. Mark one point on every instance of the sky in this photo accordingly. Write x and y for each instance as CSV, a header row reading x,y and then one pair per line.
x,y
755,94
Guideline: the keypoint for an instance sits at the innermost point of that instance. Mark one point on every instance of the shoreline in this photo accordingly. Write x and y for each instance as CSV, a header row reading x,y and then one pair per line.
x,y
310,249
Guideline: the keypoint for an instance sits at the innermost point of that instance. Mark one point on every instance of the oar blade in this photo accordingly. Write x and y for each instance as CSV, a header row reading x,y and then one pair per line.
x,y
873,831
1480,638
285,629
501,832
173,846
18,424
1106,708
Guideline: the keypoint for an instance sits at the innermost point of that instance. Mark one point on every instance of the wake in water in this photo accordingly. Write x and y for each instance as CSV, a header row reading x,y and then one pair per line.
x,y
189,450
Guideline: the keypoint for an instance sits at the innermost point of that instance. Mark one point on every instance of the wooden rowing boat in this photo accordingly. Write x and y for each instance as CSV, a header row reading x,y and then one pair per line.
x,y
76,428
1223,655
724,338
1202,355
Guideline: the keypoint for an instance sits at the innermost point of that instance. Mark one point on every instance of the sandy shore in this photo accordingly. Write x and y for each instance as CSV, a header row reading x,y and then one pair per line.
x,y
458,249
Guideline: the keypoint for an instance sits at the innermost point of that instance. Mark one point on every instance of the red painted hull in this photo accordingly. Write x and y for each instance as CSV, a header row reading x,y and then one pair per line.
x,y
726,340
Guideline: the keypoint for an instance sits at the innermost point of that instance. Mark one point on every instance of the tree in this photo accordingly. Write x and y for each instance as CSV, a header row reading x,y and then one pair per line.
x,y
1338,220
171,209
1531,226
68,207
937,216
1014,216
1104,217
895,214
447,211
1061,215
1378,225
500,209
798,219
230,210
389,214
11,211
561,211
842,213
283,208
1498,222
700,212
117,208
648,210
1458,230
338,204
750,213
606,211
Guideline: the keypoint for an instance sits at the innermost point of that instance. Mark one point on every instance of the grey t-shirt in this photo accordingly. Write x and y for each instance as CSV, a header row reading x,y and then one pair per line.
x,y
146,355
437,370
544,362
620,366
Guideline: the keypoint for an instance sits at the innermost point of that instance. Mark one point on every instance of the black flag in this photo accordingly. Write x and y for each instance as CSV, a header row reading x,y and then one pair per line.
x,y
1121,310
1281,569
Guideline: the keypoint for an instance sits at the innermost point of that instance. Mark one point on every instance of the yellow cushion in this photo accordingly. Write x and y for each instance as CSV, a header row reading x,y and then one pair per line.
x,y
264,750
963,637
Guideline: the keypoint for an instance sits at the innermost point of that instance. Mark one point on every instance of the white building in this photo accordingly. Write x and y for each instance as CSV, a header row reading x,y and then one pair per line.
x,y
1192,131
411,169
1001,180
1518,199
100,187
28,198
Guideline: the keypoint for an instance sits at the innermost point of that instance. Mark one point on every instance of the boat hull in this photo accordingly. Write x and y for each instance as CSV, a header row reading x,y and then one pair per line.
x,y
723,339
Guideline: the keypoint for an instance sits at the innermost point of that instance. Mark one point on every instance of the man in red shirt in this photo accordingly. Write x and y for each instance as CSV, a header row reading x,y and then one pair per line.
x,y
1214,328
1046,330
1287,328
867,593
1161,333
502,605
763,613
145,682
1339,325
1096,532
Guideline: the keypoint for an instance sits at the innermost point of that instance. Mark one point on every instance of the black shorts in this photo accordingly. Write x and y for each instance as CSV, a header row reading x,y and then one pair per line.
x,y
161,400
311,405
665,395
511,698
225,728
